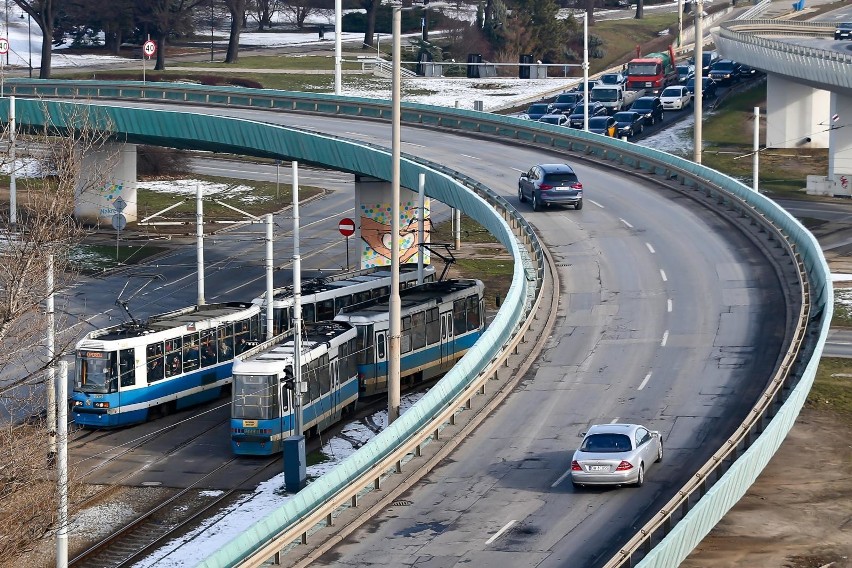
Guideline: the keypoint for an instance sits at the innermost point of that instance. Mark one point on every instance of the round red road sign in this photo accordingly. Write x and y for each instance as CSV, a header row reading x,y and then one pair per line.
x,y
149,48
346,227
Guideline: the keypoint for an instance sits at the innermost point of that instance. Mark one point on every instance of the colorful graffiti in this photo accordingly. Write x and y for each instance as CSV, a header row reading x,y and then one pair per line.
x,y
376,233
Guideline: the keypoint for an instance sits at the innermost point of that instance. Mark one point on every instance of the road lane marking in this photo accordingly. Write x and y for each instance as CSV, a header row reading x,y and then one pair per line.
x,y
413,144
650,248
645,382
500,532
595,203
615,420
561,479
625,222
669,302
665,339
471,157
663,275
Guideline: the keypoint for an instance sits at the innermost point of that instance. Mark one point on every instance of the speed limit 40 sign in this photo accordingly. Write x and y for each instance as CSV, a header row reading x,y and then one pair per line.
x,y
149,48
4,46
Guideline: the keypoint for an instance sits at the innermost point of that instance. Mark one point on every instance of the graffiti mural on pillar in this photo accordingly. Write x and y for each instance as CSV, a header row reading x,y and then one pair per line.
x,y
376,233
109,193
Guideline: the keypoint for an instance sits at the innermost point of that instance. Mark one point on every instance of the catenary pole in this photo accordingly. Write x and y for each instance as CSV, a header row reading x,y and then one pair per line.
x,y
421,229
297,308
199,243
62,469
50,388
699,80
269,330
395,325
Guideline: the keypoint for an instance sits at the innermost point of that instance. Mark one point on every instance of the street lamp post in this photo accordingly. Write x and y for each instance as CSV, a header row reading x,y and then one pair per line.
x,y
395,307
211,30
698,98
30,42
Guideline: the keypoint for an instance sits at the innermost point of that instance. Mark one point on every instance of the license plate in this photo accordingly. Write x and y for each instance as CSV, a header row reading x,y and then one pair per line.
x,y
598,468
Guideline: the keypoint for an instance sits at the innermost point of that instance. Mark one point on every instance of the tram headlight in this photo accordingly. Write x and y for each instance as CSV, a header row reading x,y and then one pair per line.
x,y
101,405
78,403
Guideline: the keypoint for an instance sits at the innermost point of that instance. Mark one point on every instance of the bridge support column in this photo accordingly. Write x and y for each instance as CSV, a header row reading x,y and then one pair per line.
x,y
838,182
796,115
107,173
373,208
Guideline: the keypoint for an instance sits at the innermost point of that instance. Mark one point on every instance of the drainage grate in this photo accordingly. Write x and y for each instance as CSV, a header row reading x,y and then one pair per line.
x,y
402,503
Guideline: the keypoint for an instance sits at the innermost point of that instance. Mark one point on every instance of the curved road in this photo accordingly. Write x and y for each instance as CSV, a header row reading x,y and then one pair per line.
x,y
667,317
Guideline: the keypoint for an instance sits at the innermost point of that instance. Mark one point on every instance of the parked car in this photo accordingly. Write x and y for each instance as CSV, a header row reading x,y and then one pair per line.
x,y
581,87
558,119
603,125
575,119
565,102
651,109
548,184
629,123
617,79
684,72
726,71
708,87
746,71
615,454
676,97
537,110
843,31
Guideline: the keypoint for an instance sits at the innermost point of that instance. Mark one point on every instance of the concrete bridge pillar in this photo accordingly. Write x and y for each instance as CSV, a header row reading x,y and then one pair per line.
x,y
796,115
373,223
107,173
840,157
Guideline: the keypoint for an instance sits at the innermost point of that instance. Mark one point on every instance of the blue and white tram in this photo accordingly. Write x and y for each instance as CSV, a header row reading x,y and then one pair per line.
x,y
172,361
440,322
262,403
322,298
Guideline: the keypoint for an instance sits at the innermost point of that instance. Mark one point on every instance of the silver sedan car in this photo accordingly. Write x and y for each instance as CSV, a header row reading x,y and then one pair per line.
x,y
615,454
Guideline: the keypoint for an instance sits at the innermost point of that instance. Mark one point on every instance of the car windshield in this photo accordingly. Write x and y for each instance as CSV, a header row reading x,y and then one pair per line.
x,y
551,119
671,93
606,443
537,109
624,116
726,66
570,98
598,122
609,79
642,104
683,70
844,26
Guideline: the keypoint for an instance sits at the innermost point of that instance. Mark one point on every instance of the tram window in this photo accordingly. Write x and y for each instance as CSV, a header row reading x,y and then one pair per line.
x,y
472,313
380,346
174,355
280,322
209,348
309,313
405,337
255,397
418,331
190,352
313,380
433,326
341,302
459,317
96,372
226,342
242,334
325,310
362,296
379,292
364,344
255,328
154,360
127,367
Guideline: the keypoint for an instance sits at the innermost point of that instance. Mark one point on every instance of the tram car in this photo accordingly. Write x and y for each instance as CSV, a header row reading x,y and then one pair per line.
x,y
322,298
263,394
440,322
126,373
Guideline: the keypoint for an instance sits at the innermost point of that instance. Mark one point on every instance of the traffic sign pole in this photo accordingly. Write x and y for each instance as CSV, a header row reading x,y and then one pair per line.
x,y
149,48
347,229
4,50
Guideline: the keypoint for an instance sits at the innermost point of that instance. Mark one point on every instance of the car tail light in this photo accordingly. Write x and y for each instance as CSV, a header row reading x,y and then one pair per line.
x,y
624,466
576,185
575,466
545,187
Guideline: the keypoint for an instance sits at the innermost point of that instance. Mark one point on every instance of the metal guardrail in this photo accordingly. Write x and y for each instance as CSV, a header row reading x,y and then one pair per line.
x,y
677,529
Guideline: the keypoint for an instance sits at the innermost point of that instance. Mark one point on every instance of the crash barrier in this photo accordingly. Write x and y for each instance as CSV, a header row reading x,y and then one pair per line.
x,y
717,485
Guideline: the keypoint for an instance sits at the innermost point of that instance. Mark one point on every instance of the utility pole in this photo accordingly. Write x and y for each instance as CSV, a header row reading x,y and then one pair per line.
x,y
395,325
698,99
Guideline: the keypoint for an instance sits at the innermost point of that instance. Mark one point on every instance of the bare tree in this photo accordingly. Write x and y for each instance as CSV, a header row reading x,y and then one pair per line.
x,y
45,227
43,13
162,18
237,9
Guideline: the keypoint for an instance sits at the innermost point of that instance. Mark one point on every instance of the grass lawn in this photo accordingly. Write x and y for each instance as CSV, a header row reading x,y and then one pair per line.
x,y
831,391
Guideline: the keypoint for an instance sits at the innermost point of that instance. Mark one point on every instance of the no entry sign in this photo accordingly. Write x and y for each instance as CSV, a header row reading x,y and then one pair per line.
x,y
346,227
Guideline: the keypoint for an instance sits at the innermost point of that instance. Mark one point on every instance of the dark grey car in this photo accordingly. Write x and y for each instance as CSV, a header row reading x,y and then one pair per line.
x,y
546,184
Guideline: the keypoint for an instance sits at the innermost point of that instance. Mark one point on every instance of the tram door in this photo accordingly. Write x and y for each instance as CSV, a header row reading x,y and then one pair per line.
x,y
381,360
446,337
285,396
334,385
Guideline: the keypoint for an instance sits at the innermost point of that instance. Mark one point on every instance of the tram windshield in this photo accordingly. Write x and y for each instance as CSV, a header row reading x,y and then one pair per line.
x,y
96,372
255,397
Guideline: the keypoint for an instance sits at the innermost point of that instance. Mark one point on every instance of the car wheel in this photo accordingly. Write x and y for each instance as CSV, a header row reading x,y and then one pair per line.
x,y
535,204
578,205
660,453
521,197
640,481
653,120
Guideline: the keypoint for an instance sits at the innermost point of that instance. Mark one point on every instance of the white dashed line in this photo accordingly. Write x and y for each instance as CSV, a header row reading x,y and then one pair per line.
x,y
615,420
663,275
665,339
415,145
471,157
669,302
645,382
596,203
500,532
625,222
650,248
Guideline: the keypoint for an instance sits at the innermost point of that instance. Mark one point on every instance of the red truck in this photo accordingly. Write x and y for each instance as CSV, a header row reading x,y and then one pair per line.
x,y
653,72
